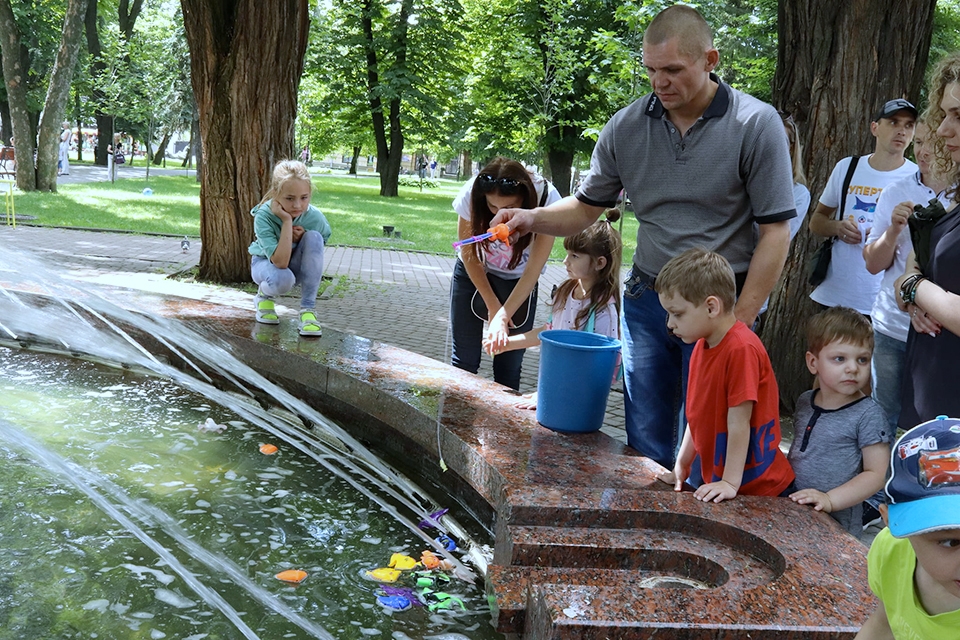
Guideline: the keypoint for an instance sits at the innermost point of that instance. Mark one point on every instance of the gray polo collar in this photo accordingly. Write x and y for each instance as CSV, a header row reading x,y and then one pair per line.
x,y
718,106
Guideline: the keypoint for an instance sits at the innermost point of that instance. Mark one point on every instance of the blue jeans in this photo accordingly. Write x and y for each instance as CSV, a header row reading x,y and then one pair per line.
x,y
655,374
305,267
887,371
466,311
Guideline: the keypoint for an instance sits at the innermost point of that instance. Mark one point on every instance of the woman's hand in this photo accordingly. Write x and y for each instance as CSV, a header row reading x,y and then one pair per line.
x,y
923,322
498,331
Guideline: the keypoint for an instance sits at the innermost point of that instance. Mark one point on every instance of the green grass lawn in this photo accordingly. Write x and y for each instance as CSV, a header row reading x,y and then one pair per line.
x,y
353,206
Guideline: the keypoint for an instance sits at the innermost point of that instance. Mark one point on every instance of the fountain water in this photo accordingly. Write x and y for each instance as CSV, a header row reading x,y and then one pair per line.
x,y
58,316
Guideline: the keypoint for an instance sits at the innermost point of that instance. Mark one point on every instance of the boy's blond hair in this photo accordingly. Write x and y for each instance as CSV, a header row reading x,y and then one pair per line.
x,y
838,323
697,274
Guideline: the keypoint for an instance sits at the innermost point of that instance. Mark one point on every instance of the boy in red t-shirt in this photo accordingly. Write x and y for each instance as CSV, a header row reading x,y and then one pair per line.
x,y
733,406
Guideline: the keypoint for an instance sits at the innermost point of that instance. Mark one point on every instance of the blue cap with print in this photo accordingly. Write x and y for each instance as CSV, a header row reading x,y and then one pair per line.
x,y
923,492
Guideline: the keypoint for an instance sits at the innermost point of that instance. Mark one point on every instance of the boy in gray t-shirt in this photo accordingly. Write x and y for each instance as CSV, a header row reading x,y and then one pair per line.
x,y
841,442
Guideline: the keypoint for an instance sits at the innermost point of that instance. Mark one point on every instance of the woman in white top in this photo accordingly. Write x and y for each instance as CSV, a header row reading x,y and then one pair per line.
x,y
492,281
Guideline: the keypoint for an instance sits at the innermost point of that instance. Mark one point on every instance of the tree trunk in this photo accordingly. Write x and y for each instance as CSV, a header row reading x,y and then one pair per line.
x,y
560,161
55,105
161,149
389,143
14,75
246,59
353,161
97,67
6,129
837,63
466,171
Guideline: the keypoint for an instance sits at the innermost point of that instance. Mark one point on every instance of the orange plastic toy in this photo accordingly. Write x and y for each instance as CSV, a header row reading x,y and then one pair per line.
x,y
429,560
500,232
292,575
268,449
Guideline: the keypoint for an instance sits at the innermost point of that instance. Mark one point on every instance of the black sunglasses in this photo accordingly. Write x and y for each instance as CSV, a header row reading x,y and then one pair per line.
x,y
506,186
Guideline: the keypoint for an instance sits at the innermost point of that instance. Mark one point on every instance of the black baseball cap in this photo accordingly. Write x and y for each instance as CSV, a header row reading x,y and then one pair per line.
x,y
890,107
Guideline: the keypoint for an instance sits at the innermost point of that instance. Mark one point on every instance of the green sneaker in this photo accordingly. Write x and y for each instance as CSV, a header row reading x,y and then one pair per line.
x,y
309,326
266,311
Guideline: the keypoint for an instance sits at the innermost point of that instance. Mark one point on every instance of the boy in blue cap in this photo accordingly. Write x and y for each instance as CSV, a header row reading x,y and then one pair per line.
x,y
914,566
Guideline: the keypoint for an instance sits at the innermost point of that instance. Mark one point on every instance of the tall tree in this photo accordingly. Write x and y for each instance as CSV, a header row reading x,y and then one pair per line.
x,y
17,60
837,62
58,91
246,62
409,56
15,77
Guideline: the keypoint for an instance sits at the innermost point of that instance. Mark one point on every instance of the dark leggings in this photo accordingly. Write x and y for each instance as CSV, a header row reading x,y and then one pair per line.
x,y
467,328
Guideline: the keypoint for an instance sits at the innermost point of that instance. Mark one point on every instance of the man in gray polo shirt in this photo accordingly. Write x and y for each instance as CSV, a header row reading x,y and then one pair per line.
x,y
701,163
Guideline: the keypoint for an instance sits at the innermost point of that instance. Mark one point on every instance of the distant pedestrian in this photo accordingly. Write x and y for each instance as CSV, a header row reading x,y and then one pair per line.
x,y
63,161
305,155
433,168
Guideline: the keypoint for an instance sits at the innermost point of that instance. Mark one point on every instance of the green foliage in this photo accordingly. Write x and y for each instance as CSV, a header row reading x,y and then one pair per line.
x,y
946,31
40,23
423,74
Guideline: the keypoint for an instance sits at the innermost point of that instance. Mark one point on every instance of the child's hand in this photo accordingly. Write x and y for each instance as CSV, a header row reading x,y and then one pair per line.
x,y
529,401
716,492
817,499
278,211
669,477
491,348
297,233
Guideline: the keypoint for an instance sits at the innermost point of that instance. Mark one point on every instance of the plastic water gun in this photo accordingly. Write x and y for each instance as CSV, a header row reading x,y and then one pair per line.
x,y
499,232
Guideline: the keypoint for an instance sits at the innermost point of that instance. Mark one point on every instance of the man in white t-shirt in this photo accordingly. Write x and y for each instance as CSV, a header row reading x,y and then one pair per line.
x,y
848,282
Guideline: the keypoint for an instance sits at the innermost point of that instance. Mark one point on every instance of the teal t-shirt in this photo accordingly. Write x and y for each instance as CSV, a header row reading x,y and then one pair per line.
x,y
267,227
890,565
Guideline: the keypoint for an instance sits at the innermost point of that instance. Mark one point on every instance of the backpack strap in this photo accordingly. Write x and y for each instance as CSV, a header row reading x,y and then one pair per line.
x,y
846,185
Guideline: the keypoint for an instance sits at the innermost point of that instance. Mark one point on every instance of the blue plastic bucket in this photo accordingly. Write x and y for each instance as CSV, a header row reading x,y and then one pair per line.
x,y
576,369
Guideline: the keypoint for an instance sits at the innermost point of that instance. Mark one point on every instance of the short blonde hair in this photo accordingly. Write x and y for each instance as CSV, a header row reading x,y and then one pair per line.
x,y
838,323
697,274
283,171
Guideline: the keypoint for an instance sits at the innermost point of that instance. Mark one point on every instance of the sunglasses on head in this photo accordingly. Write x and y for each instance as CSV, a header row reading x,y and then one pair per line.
x,y
506,186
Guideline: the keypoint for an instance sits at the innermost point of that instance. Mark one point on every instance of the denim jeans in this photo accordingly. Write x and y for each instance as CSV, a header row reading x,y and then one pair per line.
x,y
655,374
887,370
305,267
467,327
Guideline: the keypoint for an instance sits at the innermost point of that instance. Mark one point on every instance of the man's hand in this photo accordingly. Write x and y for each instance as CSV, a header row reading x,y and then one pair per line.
x,y
899,216
716,492
817,499
848,231
519,221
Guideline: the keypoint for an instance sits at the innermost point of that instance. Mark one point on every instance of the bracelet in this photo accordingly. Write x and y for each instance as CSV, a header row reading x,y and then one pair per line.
x,y
908,288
